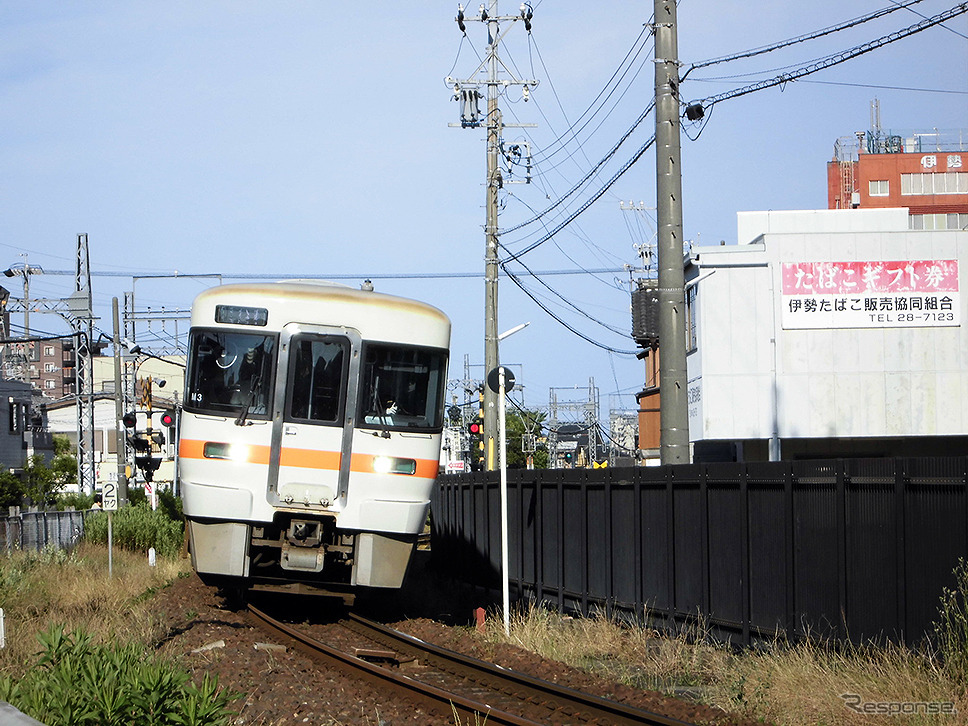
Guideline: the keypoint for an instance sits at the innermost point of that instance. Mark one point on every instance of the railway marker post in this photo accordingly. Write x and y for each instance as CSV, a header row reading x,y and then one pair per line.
x,y
501,380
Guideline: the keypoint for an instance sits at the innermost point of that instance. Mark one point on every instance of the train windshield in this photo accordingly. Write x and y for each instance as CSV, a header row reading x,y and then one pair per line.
x,y
317,375
402,387
230,373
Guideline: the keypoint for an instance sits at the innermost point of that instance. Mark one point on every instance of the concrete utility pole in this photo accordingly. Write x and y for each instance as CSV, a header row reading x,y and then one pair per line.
x,y
466,92
673,382
491,357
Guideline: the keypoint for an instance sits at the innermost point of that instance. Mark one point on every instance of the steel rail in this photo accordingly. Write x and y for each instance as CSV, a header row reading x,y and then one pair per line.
x,y
596,709
435,699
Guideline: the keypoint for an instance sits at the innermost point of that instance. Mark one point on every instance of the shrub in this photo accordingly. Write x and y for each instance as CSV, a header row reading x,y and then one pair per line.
x,y
171,505
74,500
137,527
77,682
951,629
136,494
167,502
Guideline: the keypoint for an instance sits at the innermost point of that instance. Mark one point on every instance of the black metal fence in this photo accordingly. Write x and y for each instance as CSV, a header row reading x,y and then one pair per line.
x,y
852,549
36,530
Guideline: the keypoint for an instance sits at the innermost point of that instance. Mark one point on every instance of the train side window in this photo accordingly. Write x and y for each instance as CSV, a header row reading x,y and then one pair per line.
x,y
317,374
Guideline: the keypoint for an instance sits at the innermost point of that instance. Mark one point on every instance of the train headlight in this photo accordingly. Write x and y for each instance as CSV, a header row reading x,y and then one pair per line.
x,y
229,452
393,465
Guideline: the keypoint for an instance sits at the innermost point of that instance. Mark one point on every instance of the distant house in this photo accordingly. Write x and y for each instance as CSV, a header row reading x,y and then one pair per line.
x,y
23,425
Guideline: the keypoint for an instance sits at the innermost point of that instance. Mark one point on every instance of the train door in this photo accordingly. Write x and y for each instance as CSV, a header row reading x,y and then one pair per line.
x,y
312,439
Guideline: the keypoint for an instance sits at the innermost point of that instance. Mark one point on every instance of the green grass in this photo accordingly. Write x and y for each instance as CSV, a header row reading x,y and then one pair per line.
x,y
81,644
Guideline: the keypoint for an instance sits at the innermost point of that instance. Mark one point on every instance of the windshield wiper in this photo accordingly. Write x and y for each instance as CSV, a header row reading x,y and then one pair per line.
x,y
244,413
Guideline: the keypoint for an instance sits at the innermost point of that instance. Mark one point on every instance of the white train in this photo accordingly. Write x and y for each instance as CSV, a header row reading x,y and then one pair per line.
x,y
310,436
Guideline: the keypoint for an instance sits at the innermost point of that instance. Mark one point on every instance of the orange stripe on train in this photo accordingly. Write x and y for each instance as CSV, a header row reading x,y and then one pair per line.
x,y
305,458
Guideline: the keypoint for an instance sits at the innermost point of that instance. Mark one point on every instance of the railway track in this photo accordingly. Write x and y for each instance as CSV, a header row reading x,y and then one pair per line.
x,y
455,687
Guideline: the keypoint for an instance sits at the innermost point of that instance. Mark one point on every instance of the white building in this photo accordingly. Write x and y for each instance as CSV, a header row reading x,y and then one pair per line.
x,y
828,333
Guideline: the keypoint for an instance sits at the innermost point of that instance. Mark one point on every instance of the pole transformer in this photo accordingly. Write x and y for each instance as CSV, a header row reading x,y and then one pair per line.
x,y
673,382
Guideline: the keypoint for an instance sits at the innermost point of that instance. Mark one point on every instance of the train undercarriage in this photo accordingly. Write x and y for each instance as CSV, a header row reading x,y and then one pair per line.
x,y
294,553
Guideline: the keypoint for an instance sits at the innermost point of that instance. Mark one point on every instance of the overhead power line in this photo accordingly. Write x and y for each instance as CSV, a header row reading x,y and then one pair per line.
x,y
340,276
802,38
890,88
587,176
574,330
838,58
570,304
588,115
591,200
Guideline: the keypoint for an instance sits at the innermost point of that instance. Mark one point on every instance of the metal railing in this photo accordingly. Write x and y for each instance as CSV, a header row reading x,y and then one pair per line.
x,y
37,530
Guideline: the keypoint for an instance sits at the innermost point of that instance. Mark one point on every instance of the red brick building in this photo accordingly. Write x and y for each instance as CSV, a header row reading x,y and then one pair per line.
x,y
926,173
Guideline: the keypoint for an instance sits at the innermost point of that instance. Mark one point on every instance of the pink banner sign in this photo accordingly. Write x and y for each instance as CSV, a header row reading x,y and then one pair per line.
x,y
871,294
849,278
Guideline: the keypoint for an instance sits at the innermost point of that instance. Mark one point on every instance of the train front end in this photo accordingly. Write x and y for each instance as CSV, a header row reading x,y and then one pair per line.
x,y
310,437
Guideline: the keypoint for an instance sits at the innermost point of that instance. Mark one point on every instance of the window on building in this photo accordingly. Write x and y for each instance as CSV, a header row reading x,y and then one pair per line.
x,y
691,337
879,188
50,384
48,350
950,182
939,221
16,417
49,368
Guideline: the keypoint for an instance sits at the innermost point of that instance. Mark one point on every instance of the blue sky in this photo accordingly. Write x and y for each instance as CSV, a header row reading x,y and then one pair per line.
x,y
281,138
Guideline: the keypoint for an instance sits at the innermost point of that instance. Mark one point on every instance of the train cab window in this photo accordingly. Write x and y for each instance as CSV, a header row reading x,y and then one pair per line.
x,y
317,373
402,387
230,373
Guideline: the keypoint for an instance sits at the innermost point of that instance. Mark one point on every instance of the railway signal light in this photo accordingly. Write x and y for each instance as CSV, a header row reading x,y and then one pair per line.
x,y
139,442
148,465
129,419
168,418
475,428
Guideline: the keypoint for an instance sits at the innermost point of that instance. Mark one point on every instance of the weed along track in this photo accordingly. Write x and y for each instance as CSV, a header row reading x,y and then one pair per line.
x,y
453,687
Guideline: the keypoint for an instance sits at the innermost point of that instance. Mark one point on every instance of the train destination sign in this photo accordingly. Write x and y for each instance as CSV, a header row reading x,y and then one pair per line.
x,y
870,294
